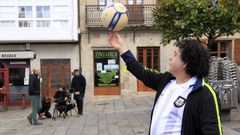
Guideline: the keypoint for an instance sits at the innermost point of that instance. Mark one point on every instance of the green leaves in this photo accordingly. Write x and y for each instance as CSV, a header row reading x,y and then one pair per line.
x,y
180,19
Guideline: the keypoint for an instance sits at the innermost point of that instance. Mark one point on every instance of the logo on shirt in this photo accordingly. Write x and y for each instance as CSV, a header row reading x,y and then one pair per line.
x,y
179,102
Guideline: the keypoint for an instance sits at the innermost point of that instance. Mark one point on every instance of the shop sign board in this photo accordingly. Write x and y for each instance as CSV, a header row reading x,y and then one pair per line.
x,y
17,55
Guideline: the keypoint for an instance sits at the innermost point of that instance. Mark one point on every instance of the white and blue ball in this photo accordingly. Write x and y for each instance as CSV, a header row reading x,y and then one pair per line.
x,y
115,16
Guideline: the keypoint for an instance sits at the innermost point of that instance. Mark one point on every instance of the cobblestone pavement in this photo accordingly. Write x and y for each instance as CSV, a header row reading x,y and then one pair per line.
x,y
119,115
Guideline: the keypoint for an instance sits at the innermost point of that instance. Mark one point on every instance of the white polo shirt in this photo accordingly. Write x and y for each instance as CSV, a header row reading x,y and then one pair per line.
x,y
168,111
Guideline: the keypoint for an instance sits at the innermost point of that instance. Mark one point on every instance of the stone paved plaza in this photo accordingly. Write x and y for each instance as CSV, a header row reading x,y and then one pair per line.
x,y
115,115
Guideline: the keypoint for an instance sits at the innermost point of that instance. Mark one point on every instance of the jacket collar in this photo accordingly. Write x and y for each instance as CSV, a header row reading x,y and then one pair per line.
x,y
199,83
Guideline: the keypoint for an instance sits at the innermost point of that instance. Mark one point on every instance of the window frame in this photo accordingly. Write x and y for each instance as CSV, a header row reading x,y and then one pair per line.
x,y
219,51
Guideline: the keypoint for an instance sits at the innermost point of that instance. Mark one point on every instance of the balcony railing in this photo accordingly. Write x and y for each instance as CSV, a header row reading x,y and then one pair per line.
x,y
139,15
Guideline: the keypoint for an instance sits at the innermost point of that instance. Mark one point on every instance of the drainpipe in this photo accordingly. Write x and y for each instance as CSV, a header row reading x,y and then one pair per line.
x,y
79,38
80,52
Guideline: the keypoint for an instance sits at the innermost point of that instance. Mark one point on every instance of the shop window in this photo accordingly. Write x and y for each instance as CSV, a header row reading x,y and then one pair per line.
x,y
17,76
106,68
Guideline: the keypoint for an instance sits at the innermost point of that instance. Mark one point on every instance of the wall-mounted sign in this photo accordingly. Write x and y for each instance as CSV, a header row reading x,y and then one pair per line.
x,y
17,55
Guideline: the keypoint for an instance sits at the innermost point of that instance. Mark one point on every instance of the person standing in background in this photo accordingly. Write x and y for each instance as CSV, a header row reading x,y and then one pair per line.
x,y
34,94
79,86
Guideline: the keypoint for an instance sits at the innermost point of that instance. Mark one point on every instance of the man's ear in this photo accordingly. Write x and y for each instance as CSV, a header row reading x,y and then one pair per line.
x,y
185,66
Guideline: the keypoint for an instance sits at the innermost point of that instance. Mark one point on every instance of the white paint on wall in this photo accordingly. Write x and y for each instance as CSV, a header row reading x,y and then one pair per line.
x,y
56,52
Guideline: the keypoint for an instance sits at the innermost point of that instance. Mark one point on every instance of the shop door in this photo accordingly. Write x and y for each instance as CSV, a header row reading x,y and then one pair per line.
x,y
236,53
4,83
150,58
55,73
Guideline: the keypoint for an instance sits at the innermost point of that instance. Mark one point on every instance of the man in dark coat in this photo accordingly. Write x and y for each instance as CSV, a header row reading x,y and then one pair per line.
x,y
34,94
79,85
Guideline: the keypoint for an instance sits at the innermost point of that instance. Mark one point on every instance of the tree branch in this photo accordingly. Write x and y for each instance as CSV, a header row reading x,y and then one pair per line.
x,y
218,35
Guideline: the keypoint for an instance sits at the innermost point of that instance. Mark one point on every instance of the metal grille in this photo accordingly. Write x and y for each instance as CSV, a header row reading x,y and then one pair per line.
x,y
138,15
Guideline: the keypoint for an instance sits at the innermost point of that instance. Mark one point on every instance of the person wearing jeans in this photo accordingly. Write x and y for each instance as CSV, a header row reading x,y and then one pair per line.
x,y
34,94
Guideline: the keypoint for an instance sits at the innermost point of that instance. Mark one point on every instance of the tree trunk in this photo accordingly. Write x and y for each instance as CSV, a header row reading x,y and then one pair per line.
x,y
211,42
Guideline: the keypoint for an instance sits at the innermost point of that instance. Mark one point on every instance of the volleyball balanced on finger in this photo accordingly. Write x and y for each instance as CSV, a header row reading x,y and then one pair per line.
x,y
114,16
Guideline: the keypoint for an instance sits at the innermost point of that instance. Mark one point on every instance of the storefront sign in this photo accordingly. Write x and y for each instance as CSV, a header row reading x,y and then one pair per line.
x,y
17,55
107,68
17,63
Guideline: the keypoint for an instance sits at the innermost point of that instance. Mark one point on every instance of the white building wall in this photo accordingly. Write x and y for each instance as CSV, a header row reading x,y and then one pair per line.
x,y
62,17
66,51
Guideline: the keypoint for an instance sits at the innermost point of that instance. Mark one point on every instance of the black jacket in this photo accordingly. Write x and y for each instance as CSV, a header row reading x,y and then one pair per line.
x,y
45,106
60,96
79,84
201,112
34,85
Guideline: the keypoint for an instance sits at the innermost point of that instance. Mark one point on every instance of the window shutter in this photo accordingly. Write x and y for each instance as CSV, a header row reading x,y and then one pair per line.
x,y
237,51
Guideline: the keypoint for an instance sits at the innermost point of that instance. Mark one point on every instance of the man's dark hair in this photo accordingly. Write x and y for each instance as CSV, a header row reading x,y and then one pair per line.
x,y
76,70
196,56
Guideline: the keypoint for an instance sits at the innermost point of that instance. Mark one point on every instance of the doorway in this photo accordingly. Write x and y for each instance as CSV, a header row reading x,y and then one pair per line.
x,y
55,73
150,58
4,83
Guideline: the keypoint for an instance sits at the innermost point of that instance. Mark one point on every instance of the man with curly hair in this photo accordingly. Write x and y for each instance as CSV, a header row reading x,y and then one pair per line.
x,y
184,104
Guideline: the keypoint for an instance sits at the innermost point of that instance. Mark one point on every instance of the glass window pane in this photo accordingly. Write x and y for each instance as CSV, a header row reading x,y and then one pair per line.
x,y
155,58
1,79
43,11
139,2
223,55
102,2
130,2
43,23
149,58
109,1
214,47
223,46
106,68
140,55
25,24
25,12
16,76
